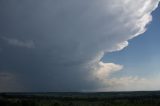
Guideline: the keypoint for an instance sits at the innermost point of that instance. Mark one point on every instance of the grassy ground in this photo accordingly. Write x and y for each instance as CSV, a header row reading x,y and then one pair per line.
x,y
106,99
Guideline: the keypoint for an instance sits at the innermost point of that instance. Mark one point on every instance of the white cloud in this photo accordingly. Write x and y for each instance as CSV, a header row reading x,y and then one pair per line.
x,y
132,23
131,83
103,70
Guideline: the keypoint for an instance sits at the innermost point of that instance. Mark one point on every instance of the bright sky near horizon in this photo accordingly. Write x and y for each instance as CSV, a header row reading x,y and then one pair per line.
x,y
79,45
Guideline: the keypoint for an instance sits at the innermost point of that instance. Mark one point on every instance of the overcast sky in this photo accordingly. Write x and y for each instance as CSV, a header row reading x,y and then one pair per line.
x,y
79,45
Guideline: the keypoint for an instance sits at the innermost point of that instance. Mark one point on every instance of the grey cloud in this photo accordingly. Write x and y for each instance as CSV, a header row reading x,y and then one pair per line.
x,y
9,83
19,43
70,36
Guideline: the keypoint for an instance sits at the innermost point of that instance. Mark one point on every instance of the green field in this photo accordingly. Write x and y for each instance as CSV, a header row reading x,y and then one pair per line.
x,y
81,99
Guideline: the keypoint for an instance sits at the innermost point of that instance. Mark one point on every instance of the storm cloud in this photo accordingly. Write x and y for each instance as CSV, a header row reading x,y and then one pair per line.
x,y
57,45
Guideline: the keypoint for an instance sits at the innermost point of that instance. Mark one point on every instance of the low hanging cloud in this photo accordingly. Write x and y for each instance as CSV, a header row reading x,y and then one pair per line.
x,y
105,69
71,37
130,83
19,43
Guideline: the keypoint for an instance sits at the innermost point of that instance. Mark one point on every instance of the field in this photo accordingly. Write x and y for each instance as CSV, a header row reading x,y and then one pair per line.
x,y
81,99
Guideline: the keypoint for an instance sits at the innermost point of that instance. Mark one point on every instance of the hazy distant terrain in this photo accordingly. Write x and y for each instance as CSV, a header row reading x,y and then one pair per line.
x,y
81,99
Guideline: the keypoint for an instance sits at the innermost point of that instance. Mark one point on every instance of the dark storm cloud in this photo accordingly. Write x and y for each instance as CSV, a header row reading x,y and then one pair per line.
x,y
56,45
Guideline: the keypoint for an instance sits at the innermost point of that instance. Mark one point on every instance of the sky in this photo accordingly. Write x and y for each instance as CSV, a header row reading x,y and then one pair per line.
x,y
73,45
145,54
143,59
